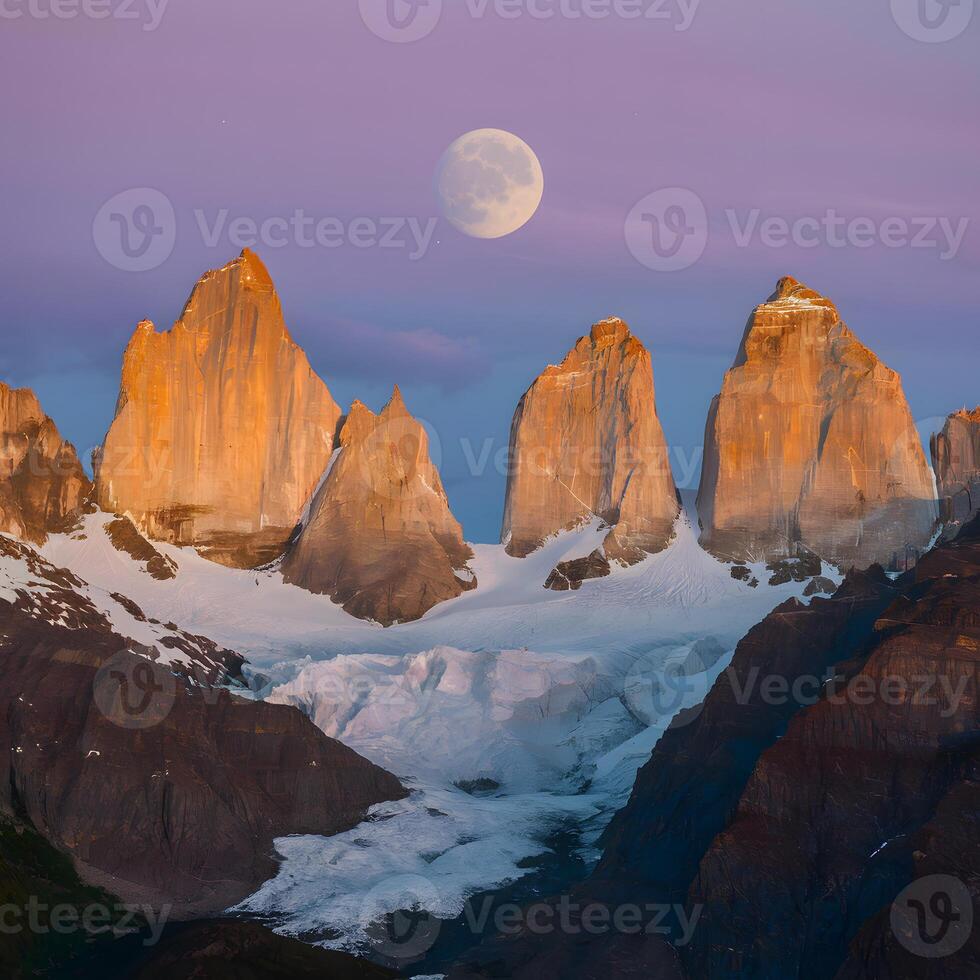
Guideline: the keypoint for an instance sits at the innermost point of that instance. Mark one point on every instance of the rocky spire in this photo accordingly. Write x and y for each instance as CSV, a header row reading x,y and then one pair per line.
x,y
222,428
42,483
380,539
956,460
586,441
811,445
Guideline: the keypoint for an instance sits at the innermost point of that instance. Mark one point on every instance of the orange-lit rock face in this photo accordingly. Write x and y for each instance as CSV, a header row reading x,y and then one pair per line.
x,y
222,429
811,443
956,460
380,538
586,441
42,483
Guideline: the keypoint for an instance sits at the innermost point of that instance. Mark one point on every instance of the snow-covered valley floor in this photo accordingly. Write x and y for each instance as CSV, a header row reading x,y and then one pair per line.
x,y
551,700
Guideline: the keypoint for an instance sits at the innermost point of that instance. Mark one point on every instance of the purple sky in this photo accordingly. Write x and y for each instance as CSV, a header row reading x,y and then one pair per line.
x,y
785,106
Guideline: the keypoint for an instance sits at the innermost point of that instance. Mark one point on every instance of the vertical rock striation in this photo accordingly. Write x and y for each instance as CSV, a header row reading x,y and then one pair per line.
x,y
956,460
42,483
380,539
810,446
586,441
222,428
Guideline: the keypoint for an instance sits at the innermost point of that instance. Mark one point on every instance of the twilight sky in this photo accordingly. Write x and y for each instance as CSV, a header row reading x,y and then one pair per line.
x,y
777,109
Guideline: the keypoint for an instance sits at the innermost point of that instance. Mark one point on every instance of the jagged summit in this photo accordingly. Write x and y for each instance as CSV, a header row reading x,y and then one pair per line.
x,y
790,290
585,442
222,428
612,330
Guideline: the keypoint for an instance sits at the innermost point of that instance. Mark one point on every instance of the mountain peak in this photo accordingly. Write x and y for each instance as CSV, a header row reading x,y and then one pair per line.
x,y
380,539
792,291
252,270
229,424
396,405
586,443
811,444
612,330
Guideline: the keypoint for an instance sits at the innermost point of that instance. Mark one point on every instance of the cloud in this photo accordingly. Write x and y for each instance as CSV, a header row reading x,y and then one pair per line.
x,y
422,355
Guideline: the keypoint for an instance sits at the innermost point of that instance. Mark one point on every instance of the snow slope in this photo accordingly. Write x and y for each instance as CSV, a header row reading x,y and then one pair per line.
x,y
557,698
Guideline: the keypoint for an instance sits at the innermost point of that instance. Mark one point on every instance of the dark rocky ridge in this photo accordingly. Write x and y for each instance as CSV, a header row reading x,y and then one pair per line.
x,y
569,575
223,949
162,791
126,537
791,825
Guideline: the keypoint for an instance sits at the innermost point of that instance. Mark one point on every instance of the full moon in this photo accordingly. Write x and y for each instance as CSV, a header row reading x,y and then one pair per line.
x,y
489,183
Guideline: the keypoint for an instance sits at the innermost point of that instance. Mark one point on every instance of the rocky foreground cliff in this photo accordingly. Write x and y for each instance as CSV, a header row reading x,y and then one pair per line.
x,y
956,461
222,428
586,442
380,539
163,786
810,446
42,483
816,817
